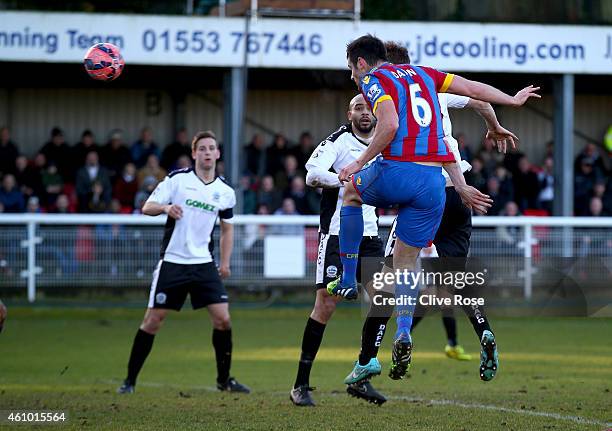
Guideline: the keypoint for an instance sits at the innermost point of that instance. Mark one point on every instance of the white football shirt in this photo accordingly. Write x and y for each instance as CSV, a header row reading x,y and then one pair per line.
x,y
186,241
340,149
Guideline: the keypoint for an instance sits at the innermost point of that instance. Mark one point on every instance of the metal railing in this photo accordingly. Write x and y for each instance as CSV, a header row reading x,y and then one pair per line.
x,y
51,250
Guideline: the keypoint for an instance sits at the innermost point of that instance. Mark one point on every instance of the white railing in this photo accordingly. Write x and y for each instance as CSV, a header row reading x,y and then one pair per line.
x,y
525,240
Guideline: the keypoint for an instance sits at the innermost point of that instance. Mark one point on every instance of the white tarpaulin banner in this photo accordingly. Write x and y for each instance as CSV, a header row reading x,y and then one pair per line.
x,y
309,44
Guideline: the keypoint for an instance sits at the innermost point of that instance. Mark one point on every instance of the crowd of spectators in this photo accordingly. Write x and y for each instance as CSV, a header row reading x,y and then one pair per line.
x,y
519,186
114,177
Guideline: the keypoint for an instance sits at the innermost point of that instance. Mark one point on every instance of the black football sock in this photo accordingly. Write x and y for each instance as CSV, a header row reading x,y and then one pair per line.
x,y
374,328
222,342
311,341
476,314
143,342
450,325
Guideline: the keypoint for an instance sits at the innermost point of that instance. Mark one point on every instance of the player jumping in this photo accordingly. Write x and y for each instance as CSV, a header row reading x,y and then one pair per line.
x,y
193,199
410,136
452,239
338,150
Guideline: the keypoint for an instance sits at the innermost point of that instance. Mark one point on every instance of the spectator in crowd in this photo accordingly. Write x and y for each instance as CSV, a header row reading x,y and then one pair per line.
x,y
591,153
304,148
584,182
595,207
256,157
87,176
147,187
547,185
184,162
29,178
151,169
305,202
276,153
509,236
604,193
98,202
283,178
499,201
62,205
8,152
33,205
52,183
58,152
180,147
526,185
475,177
11,197
287,208
464,149
249,196
115,155
126,186
85,145
268,195
144,147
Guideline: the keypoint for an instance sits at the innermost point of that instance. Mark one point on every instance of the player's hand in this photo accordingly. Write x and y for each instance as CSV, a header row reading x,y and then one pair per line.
x,y
522,96
174,211
349,170
474,199
224,271
501,137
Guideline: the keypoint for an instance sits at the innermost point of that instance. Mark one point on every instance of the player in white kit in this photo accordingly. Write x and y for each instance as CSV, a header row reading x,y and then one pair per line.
x,y
193,198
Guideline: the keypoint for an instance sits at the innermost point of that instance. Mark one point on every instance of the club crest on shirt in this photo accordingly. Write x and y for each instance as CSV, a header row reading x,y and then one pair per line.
x,y
216,196
366,79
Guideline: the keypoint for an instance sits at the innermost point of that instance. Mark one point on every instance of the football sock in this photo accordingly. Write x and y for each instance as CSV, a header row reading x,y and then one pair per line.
x,y
476,314
373,331
351,233
408,293
311,341
419,312
450,325
143,342
222,342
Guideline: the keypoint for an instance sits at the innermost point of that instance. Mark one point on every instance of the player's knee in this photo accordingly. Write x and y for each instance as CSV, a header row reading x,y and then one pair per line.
x,y
222,322
350,194
152,322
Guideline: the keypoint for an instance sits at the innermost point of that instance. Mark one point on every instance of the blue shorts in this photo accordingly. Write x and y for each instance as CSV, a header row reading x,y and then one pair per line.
x,y
417,189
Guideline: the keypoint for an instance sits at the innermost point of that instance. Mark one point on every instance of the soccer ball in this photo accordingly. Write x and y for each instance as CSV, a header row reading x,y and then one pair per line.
x,y
103,62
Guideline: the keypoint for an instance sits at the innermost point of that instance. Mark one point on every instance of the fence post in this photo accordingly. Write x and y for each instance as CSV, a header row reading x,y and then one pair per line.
x,y
528,240
32,269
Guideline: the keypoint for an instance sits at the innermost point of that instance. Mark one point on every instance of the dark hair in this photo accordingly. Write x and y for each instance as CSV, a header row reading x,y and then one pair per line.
x,y
87,132
396,53
368,47
203,135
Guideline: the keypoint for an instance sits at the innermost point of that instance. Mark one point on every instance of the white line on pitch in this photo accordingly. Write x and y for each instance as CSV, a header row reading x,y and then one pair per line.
x,y
478,406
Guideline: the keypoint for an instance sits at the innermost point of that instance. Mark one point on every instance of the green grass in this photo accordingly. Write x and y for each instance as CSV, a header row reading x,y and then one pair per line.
x,y
73,360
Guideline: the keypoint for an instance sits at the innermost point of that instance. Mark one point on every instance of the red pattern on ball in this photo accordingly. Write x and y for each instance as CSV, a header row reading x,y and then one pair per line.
x,y
103,62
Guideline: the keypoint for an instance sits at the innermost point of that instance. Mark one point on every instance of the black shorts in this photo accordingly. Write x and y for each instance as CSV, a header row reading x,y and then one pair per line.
x,y
453,236
329,265
172,282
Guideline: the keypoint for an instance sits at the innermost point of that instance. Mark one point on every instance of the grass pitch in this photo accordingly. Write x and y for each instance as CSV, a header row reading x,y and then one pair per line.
x,y
554,374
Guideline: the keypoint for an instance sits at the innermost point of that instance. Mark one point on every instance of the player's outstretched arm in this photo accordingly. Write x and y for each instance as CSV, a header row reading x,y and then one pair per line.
x,y
155,209
387,123
495,130
226,243
480,91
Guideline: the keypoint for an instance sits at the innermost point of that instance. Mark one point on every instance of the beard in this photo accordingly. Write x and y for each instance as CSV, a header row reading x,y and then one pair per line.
x,y
363,129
